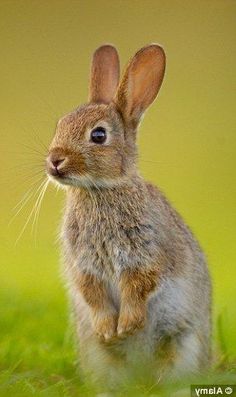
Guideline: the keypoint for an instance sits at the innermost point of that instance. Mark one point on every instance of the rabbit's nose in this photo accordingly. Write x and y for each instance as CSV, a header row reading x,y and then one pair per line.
x,y
57,162
55,165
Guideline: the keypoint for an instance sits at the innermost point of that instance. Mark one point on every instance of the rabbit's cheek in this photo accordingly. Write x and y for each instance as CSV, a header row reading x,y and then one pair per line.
x,y
79,166
107,166
113,169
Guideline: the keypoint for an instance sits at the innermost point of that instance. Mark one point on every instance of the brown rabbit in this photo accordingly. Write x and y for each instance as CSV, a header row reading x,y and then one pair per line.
x,y
138,280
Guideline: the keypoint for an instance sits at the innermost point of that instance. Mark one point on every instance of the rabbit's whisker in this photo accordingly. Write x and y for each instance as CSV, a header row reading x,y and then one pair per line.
x,y
42,144
26,197
33,174
33,150
40,188
28,176
27,165
38,207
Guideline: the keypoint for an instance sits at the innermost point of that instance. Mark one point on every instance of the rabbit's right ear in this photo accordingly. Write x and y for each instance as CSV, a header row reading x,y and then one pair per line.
x,y
105,74
141,83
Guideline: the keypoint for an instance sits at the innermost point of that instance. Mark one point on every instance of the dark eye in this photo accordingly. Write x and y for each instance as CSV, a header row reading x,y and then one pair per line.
x,y
98,135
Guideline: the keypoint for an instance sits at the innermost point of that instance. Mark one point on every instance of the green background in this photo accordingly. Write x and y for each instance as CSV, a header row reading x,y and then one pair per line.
x,y
187,140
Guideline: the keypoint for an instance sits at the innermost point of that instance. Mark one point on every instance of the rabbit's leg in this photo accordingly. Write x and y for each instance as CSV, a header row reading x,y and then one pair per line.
x,y
135,287
188,356
104,315
195,353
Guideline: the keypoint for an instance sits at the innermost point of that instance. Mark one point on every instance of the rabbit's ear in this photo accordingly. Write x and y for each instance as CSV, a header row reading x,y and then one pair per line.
x,y
105,73
141,82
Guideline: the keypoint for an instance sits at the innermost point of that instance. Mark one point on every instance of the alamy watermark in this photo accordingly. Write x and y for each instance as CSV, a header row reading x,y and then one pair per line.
x,y
213,390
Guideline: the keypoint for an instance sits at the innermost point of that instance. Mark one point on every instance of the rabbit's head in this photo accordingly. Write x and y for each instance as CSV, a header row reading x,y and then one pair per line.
x,y
95,144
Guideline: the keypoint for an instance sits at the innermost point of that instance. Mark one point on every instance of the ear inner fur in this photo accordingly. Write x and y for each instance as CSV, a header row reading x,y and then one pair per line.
x,y
105,71
141,82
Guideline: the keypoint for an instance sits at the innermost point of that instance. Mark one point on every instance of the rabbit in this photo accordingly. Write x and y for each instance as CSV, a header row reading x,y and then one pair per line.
x,y
137,278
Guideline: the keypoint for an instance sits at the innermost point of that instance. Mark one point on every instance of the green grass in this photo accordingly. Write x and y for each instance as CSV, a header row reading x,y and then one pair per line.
x,y
36,347
37,352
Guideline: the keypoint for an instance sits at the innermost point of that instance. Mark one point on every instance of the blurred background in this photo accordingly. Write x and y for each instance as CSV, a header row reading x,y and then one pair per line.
x,y
187,144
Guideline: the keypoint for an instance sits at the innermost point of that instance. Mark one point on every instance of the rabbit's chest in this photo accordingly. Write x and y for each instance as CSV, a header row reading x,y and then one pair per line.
x,y
94,247
106,247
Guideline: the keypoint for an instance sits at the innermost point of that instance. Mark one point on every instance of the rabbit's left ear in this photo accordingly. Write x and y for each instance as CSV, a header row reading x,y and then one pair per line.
x,y
141,83
105,73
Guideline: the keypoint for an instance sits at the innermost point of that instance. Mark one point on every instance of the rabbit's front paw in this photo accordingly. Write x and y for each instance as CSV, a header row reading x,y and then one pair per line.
x,y
105,325
131,320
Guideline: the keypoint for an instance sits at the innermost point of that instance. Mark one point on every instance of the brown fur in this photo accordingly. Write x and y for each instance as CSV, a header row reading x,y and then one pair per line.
x,y
138,283
105,73
93,290
135,286
137,275
141,83
95,294
71,141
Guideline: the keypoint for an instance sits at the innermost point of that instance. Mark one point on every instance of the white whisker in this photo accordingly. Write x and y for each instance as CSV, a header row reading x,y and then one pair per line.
x,y
32,211
26,197
25,194
37,201
37,211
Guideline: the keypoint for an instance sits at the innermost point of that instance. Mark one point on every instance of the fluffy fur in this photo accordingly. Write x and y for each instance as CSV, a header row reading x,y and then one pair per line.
x,y
138,279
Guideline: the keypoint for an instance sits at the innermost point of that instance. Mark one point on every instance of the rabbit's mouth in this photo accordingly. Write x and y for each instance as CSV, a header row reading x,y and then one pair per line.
x,y
56,174
85,181
65,166
59,180
62,179
69,180
69,168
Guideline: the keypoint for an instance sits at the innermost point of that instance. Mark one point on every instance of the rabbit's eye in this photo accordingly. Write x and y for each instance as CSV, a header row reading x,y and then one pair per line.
x,y
98,135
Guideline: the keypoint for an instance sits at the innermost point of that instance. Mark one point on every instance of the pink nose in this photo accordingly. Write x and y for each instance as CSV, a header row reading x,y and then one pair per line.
x,y
54,165
57,162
